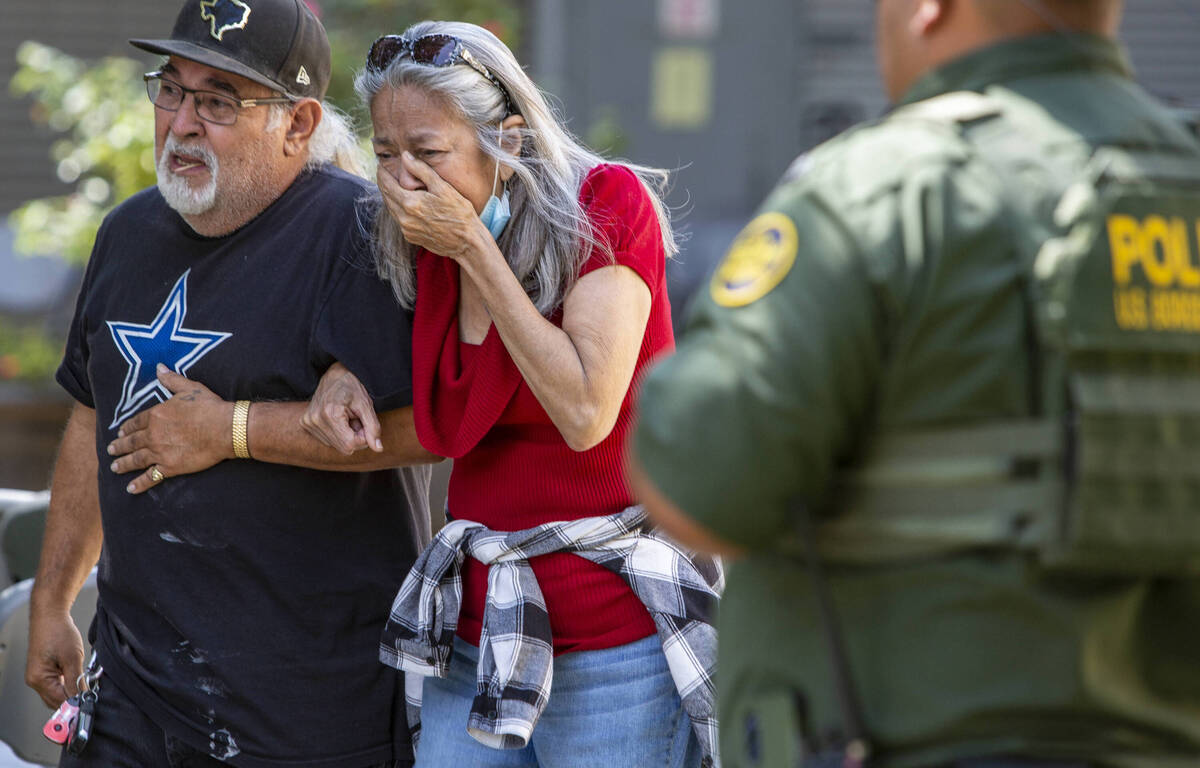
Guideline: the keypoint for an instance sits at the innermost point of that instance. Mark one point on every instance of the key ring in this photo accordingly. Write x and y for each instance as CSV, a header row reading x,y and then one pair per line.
x,y
89,678
88,682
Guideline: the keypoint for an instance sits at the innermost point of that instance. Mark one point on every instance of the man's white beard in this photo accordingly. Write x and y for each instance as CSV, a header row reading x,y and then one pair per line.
x,y
179,193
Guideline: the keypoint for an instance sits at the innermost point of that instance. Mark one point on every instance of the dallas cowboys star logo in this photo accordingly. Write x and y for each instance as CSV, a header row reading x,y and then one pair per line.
x,y
164,341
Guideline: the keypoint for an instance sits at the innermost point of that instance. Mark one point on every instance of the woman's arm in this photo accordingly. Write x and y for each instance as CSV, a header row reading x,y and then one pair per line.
x,y
581,372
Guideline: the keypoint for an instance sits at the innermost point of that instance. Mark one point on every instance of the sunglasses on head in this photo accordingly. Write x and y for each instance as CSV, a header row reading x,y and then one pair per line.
x,y
433,51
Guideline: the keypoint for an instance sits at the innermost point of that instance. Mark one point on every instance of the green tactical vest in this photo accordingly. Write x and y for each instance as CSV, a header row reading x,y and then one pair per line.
x,y
1105,477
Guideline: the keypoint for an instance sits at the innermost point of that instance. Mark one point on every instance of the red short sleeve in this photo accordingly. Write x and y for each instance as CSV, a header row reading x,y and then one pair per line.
x,y
623,216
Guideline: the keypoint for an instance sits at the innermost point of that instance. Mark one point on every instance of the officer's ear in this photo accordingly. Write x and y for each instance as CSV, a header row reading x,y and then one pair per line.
x,y
304,119
929,15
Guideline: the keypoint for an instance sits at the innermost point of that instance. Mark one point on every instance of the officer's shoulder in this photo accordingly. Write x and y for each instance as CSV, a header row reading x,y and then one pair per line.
x,y
879,157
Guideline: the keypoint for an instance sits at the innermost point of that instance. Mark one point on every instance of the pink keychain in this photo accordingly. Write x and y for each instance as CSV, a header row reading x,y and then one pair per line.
x,y
61,724
58,727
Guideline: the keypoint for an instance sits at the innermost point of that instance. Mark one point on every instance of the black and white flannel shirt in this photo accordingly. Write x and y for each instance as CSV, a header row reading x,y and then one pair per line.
x,y
680,590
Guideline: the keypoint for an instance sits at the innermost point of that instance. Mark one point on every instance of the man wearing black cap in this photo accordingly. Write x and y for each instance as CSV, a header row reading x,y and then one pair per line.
x,y
240,607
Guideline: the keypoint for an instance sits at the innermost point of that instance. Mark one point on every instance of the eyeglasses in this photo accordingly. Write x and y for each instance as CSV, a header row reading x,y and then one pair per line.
x,y
213,107
433,51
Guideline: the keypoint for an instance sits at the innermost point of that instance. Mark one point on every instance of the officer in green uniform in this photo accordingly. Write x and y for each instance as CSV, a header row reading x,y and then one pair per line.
x,y
957,354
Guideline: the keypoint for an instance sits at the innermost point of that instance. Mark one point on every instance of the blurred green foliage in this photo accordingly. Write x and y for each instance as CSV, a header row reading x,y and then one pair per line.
x,y
29,353
106,151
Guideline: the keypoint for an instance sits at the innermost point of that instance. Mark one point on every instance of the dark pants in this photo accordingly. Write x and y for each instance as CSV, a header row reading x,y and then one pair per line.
x,y
123,737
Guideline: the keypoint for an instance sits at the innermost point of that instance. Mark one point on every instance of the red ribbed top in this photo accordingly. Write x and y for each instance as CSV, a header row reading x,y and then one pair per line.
x,y
512,468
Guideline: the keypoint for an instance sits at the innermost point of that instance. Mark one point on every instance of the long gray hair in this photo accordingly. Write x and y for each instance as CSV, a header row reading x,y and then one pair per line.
x,y
333,141
549,236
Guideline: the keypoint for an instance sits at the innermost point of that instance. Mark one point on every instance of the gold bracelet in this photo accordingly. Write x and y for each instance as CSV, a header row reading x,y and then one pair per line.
x,y
241,419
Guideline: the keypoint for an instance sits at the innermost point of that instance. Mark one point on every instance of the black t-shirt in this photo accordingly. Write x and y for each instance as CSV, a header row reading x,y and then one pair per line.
x,y
241,607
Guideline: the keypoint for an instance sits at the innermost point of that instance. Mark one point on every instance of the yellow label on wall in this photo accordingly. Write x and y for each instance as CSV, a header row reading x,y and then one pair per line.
x,y
681,86
758,260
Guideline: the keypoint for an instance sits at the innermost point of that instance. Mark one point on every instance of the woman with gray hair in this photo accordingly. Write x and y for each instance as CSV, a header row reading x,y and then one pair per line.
x,y
536,274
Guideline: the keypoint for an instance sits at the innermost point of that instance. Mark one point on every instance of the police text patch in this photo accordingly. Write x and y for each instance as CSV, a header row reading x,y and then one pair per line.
x,y
1156,275
758,260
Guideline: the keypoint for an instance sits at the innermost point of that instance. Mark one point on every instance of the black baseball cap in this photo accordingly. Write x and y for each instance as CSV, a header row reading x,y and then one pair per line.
x,y
278,43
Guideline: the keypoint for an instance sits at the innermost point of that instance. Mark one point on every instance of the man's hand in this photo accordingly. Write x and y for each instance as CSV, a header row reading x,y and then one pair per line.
x,y
55,658
70,548
341,414
188,433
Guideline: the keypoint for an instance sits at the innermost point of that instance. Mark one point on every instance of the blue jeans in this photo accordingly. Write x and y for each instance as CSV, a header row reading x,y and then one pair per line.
x,y
613,708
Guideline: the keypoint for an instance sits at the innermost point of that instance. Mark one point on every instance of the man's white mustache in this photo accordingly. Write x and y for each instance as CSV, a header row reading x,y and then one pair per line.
x,y
192,151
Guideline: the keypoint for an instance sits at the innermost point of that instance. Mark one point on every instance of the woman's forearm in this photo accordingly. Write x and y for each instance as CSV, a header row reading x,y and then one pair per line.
x,y
276,437
581,372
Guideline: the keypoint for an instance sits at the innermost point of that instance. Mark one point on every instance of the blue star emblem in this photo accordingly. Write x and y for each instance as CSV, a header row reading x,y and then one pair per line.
x,y
163,341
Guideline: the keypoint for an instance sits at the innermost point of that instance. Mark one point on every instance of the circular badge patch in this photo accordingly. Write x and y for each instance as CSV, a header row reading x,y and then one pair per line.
x,y
757,261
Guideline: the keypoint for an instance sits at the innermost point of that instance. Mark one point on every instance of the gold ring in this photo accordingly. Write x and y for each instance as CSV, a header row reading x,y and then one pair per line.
x,y
156,475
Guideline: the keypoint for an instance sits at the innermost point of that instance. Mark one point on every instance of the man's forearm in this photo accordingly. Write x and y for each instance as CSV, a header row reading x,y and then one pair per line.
x,y
73,533
276,436
192,431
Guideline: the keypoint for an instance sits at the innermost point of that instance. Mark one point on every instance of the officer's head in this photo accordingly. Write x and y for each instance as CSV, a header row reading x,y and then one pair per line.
x,y
916,36
237,106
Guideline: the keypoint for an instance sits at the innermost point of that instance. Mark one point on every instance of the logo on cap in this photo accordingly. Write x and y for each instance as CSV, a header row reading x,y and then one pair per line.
x,y
302,76
224,15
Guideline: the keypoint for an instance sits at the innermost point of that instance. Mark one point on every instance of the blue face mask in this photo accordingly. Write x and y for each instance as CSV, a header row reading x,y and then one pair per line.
x,y
496,214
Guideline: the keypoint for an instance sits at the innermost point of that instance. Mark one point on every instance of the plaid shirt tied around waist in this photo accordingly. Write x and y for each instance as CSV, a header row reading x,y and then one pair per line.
x,y
516,653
